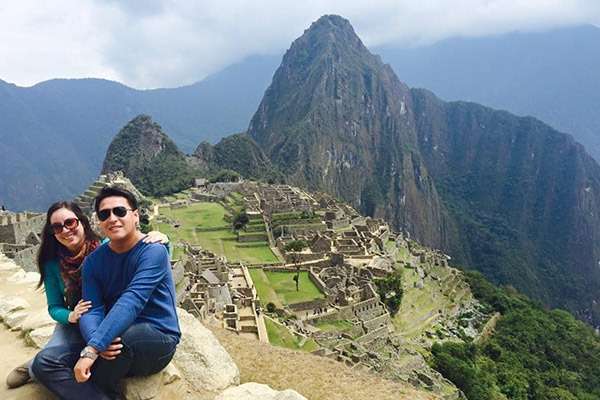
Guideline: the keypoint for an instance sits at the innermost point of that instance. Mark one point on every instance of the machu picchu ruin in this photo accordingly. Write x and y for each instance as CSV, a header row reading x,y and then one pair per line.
x,y
335,256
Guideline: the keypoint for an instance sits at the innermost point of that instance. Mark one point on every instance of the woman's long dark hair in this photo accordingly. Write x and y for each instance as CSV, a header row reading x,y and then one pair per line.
x,y
49,246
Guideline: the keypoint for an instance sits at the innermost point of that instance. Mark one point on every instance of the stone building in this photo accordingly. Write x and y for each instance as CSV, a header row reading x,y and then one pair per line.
x,y
20,235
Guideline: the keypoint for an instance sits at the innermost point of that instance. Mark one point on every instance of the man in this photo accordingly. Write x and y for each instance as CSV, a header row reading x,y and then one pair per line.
x,y
132,327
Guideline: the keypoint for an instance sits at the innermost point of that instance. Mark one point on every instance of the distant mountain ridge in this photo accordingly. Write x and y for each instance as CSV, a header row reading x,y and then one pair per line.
x,y
53,136
507,195
76,119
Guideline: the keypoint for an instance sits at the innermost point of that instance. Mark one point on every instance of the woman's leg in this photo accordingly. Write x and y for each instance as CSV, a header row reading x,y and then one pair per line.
x,y
62,335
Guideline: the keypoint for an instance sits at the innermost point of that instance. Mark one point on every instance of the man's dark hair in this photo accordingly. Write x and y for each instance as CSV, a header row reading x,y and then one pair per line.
x,y
115,191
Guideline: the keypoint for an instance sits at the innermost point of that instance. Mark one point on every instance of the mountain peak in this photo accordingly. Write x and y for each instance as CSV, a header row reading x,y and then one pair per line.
x,y
331,21
140,149
330,34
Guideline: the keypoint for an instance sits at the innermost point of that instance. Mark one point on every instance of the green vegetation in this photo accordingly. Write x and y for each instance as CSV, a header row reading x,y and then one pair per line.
x,y
533,353
280,336
296,245
225,175
135,152
204,224
390,291
279,288
239,220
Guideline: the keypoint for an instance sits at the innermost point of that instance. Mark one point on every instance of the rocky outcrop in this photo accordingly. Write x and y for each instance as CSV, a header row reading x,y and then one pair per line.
x,y
201,369
256,391
203,362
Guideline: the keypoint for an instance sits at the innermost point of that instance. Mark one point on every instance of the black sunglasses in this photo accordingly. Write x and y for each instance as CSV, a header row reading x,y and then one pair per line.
x,y
69,223
119,212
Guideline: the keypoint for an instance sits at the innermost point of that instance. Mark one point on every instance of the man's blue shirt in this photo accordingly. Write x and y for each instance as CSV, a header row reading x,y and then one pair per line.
x,y
126,288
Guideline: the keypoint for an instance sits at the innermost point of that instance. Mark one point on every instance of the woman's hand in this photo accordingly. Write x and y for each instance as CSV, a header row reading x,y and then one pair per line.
x,y
156,237
81,308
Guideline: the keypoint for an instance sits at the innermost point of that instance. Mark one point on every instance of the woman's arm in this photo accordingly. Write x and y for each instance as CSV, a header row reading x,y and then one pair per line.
x,y
54,294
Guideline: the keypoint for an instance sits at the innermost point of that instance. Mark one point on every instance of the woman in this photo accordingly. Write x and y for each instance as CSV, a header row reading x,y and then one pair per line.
x,y
67,238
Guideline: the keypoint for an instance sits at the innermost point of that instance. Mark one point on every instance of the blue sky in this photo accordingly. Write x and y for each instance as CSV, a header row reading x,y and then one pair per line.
x,y
168,43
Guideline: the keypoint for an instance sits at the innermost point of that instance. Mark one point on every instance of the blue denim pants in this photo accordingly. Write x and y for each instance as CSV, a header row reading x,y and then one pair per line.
x,y
62,336
145,351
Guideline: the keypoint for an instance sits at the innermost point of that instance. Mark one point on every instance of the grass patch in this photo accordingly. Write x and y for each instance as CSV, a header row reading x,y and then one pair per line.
x,y
263,287
280,336
280,288
222,242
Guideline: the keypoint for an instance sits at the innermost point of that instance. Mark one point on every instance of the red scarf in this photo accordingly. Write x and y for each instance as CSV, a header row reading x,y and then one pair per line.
x,y
70,271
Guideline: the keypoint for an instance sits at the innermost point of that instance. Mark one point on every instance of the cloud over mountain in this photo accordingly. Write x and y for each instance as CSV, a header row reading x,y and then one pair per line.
x,y
162,43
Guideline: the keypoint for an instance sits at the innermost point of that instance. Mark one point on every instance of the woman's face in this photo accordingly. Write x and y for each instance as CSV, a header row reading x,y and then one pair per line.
x,y
71,238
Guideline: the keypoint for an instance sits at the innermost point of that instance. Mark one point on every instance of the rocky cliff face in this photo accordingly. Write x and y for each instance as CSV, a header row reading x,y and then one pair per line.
x,y
336,118
149,158
525,197
506,195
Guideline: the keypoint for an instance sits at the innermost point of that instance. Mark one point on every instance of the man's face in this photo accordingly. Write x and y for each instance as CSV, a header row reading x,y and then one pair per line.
x,y
118,227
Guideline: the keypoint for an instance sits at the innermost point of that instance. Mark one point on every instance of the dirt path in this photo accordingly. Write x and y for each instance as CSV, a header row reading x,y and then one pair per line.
x,y
14,352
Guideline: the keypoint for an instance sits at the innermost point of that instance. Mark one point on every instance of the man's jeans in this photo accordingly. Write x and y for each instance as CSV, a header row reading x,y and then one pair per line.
x,y
145,351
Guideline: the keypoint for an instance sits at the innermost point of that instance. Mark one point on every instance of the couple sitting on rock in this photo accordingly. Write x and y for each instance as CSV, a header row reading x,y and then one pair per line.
x,y
114,302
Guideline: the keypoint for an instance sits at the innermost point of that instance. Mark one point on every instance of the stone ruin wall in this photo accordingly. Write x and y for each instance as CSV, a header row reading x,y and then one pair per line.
x,y
14,228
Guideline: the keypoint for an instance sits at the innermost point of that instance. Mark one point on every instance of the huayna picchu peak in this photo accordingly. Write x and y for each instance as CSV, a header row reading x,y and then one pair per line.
x,y
146,154
506,195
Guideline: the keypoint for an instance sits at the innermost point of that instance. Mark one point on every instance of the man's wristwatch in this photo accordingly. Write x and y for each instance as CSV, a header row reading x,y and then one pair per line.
x,y
88,352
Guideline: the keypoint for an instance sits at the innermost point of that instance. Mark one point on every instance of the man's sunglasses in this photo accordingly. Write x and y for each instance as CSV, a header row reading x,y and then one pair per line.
x,y
69,223
119,212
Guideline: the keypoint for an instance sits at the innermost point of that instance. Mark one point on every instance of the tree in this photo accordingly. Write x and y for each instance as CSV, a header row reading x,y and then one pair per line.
x,y
240,220
226,175
296,246
390,291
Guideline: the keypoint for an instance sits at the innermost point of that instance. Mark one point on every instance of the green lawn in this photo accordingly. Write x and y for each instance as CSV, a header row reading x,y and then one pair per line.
x,y
222,242
279,288
280,336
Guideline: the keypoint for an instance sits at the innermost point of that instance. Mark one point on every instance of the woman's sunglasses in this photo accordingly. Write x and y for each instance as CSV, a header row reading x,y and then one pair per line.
x,y
69,223
119,212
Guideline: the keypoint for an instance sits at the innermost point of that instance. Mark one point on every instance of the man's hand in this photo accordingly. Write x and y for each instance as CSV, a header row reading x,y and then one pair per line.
x,y
81,308
82,369
113,350
155,237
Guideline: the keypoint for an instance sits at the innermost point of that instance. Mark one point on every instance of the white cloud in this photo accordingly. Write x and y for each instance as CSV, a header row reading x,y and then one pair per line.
x,y
158,43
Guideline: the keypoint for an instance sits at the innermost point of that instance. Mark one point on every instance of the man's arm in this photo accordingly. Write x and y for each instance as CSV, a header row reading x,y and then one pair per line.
x,y
91,291
153,264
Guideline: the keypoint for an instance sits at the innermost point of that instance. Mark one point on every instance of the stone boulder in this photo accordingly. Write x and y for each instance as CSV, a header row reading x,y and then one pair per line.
x,y
257,391
203,362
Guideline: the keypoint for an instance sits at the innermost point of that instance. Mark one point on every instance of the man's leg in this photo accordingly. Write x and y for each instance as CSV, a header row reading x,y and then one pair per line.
x,y
145,351
53,367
